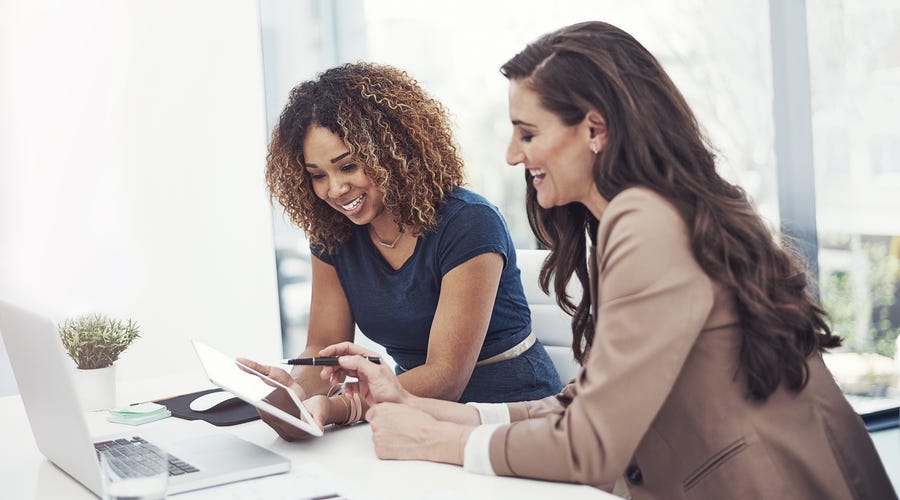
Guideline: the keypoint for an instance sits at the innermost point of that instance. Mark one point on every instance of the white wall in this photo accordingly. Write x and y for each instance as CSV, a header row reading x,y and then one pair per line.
x,y
132,148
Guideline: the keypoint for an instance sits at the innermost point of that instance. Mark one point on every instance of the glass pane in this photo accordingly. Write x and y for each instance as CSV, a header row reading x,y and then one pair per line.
x,y
717,53
854,50
292,52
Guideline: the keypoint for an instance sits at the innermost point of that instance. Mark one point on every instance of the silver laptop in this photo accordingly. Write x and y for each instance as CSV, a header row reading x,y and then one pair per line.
x,y
60,429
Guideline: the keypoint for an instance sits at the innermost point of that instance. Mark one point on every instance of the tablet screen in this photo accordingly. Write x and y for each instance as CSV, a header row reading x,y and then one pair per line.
x,y
247,384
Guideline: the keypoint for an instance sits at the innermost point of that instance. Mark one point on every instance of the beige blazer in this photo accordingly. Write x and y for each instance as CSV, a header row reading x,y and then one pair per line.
x,y
657,399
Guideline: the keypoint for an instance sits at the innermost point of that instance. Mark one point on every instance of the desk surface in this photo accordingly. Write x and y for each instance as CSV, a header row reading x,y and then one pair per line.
x,y
343,461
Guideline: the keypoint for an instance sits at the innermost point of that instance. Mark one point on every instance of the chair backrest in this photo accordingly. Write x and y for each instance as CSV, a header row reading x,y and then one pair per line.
x,y
551,325
8,385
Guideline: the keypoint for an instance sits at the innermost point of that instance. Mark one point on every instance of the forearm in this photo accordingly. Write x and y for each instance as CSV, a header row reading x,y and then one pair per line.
x,y
420,381
449,443
435,381
401,432
447,411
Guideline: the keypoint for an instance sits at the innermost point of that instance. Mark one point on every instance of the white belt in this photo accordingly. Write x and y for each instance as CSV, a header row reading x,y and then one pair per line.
x,y
512,352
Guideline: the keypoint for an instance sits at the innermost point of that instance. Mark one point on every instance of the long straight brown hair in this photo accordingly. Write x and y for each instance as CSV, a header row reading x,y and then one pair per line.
x,y
654,141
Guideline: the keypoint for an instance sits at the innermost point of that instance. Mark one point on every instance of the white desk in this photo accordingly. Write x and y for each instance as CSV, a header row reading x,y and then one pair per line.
x,y
342,461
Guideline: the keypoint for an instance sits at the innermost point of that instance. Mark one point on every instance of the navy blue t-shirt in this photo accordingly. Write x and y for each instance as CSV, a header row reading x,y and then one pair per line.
x,y
395,308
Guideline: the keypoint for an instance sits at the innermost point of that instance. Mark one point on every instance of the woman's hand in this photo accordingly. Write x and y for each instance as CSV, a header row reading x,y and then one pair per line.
x,y
377,383
317,405
401,432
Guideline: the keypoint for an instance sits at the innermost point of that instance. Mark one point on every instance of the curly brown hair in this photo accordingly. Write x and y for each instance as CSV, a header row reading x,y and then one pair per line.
x,y
654,141
399,134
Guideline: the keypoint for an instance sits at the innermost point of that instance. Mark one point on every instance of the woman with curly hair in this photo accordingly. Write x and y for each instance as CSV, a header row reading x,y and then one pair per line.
x,y
364,162
701,346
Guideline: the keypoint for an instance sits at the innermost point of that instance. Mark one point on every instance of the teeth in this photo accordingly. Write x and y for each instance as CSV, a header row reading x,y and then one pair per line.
x,y
353,204
535,172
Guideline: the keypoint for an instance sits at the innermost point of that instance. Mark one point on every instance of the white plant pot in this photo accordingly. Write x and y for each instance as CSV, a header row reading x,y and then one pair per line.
x,y
96,388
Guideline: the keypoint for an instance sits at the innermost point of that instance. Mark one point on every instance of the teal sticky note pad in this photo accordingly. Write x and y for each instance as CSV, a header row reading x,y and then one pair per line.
x,y
138,409
138,419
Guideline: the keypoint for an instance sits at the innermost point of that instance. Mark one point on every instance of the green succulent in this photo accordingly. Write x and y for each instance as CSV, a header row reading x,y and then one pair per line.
x,y
95,340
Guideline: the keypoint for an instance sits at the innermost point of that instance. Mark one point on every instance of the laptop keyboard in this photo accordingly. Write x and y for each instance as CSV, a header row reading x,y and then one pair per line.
x,y
131,451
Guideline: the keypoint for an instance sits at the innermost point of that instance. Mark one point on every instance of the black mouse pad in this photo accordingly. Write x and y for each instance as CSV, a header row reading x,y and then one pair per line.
x,y
232,412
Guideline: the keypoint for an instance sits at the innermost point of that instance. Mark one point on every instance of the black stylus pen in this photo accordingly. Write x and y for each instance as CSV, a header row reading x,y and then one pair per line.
x,y
325,361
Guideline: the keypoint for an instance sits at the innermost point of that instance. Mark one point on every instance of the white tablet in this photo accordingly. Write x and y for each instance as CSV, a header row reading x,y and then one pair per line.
x,y
227,373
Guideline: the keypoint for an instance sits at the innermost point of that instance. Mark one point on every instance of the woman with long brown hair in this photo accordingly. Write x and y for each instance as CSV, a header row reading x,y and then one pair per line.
x,y
702,374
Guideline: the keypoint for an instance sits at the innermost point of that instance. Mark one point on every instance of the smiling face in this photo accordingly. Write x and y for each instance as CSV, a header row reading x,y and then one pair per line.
x,y
338,180
559,157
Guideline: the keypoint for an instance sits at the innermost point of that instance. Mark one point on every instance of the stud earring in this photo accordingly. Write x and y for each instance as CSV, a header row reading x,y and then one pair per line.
x,y
595,148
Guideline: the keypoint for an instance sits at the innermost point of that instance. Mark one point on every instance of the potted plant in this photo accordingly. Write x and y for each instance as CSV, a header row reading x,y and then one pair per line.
x,y
94,342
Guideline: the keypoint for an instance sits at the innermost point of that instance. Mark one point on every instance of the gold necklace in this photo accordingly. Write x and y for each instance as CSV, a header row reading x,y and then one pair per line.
x,y
382,242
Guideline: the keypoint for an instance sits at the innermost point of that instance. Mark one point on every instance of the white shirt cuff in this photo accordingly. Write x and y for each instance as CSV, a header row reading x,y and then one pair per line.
x,y
477,455
492,413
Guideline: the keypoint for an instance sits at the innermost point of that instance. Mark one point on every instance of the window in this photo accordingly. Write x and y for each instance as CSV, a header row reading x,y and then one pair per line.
x,y
854,80
295,48
455,51
719,55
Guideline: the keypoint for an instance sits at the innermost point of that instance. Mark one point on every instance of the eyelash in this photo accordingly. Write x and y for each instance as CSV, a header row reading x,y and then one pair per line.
x,y
350,167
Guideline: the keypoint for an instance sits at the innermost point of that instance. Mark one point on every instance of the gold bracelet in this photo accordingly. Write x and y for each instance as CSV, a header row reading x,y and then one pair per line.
x,y
350,415
349,411
362,410
356,404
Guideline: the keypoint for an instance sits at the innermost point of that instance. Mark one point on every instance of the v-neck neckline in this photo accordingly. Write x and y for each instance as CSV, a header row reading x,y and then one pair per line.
x,y
381,257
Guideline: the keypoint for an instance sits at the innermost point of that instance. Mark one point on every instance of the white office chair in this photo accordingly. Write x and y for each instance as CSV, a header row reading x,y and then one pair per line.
x,y
8,385
551,325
